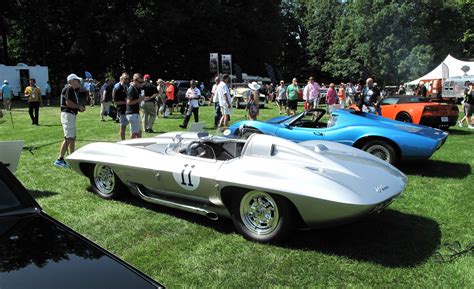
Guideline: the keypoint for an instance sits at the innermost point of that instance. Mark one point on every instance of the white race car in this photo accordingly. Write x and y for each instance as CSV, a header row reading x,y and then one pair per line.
x,y
267,185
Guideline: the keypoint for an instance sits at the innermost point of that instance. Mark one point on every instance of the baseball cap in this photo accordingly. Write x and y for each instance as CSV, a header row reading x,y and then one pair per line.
x,y
146,76
5,81
72,76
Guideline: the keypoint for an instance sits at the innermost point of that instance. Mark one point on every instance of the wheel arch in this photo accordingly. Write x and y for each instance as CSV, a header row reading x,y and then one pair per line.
x,y
404,112
231,193
363,140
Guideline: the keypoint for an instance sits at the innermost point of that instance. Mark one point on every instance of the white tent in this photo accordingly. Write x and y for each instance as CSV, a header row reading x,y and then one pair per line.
x,y
451,67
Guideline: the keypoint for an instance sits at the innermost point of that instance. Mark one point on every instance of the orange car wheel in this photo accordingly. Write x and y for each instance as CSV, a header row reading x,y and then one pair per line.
x,y
403,116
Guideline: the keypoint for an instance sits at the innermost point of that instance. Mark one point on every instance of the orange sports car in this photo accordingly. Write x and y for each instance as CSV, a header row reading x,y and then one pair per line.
x,y
419,110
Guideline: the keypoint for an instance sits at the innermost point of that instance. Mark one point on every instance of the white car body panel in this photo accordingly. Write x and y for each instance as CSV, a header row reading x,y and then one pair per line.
x,y
327,182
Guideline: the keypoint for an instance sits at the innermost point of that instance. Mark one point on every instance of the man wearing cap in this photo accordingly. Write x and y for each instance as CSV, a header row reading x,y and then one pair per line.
x,y
34,101
135,95
69,107
119,96
149,104
6,94
215,100
192,94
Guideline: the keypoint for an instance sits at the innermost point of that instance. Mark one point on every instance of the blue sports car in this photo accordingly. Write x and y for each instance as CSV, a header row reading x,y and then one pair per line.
x,y
387,139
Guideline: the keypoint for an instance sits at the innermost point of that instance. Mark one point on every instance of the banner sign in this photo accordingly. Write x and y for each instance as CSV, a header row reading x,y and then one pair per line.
x,y
214,63
226,63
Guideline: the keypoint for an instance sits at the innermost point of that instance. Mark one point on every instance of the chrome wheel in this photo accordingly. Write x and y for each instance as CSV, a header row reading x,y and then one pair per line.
x,y
104,179
379,151
259,212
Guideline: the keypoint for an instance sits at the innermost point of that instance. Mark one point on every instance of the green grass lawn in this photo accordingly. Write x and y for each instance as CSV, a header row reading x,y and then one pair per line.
x,y
396,248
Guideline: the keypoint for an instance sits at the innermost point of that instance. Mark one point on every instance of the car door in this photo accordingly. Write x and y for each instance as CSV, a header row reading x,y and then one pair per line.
x,y
190,176
298,134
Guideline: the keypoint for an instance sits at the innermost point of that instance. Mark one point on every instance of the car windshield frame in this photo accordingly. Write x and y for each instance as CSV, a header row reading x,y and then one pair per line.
x,y
10,185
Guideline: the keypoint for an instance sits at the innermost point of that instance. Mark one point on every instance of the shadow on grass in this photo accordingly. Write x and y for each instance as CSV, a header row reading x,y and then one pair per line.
x,y
391,239
460,132
222,225
436,169
41,194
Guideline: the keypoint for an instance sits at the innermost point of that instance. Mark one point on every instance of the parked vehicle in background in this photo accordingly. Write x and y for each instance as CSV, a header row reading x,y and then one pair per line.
x,y
387,139
239,95
19,76
181,86
454,87
419,110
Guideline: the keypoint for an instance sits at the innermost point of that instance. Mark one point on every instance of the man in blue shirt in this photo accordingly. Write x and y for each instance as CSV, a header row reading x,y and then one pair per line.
x,y
6,94
47,90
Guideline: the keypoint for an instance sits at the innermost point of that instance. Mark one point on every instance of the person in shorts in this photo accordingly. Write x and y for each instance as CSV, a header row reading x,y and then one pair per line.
x,y
292,96
6,94
105,98
119,96
468,106
192,94
281,97
69,107
134,97
225,101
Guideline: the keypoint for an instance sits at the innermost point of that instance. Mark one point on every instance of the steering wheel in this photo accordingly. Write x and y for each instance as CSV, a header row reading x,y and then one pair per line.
x,y
200,150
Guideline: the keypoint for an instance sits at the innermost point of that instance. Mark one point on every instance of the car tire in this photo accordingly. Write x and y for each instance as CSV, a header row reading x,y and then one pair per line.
x,y
381,149
404,117
105,183
261,217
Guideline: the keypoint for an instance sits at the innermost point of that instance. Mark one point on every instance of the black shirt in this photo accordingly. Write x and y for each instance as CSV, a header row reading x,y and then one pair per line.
x,y
150,89
120,94
469,97
71,94
108,92
132,94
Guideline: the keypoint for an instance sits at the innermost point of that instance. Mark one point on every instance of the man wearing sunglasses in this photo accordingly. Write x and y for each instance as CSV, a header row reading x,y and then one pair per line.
x,y
135,95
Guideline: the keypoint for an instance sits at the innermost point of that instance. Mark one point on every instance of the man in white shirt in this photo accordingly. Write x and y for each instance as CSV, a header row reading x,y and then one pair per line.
x,y
192,94
215,100
225,100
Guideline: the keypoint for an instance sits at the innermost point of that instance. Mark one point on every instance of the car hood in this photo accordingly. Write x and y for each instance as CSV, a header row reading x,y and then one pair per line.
x,y
38,252
426,131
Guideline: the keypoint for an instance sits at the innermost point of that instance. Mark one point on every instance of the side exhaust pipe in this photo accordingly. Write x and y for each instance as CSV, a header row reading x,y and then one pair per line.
x,y
209,214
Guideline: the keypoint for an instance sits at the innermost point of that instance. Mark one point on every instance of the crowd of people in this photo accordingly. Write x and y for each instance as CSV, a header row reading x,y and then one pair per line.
x,y
125,100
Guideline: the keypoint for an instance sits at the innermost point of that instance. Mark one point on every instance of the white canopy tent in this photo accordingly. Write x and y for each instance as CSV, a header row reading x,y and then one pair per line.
x,y
448,68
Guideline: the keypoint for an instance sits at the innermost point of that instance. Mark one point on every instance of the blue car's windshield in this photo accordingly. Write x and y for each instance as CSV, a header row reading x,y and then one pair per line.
x,y
289,119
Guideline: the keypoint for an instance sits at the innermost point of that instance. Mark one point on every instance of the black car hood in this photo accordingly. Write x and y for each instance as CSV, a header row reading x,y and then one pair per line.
x,y
38,252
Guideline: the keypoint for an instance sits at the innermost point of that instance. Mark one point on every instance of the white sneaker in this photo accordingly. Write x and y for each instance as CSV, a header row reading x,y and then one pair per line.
x,y
459,123
470,126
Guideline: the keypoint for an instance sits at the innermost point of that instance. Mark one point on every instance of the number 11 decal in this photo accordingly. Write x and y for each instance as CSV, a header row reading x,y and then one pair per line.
x,y
183,181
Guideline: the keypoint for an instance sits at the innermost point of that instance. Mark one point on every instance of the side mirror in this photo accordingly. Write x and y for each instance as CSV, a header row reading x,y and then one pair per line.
x,y
287,125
